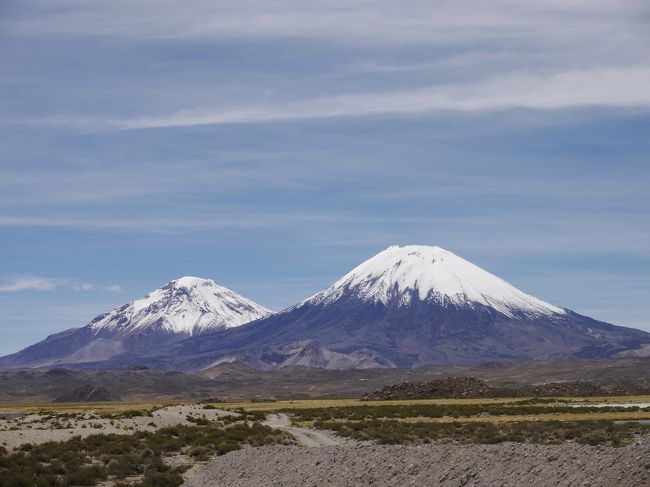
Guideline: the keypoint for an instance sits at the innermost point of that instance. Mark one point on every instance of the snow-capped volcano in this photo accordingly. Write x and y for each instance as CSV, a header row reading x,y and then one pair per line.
x,y
185,307
405,307
188,305
403,273
409,306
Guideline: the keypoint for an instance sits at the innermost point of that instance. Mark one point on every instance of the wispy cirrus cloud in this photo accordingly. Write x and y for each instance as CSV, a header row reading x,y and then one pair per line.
x,y
608,87
507,54
30,283
40,283
383,22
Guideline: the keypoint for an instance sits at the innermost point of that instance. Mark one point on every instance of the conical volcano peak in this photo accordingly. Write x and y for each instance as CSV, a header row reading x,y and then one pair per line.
x,y
397,254
190,281
181,308
184,305
407,306
401,273
196,288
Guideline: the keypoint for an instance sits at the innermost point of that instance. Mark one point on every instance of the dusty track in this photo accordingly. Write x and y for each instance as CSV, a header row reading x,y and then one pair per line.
x,y
305,436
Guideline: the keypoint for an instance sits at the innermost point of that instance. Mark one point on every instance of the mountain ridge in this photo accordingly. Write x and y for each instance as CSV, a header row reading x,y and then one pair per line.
x,y
435,273
182,308
185,305
407,306
381,317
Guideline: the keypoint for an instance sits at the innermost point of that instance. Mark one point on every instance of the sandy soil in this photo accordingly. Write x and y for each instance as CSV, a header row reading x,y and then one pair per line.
x,y
38,428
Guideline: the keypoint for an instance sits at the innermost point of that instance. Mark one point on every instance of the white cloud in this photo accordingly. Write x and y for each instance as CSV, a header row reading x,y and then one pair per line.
x,y
234,219
608,87
30,283
37,283
540,55
381,21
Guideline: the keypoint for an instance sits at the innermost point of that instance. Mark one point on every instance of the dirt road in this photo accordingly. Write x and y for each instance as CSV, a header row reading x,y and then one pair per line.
x,y
305,436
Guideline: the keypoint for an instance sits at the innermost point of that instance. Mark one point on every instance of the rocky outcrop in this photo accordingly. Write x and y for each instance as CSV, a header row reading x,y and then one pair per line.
x,y
449,388
470,387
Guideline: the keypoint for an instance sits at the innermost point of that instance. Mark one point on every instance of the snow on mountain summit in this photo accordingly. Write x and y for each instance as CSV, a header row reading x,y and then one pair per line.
x,y
429,272
188,305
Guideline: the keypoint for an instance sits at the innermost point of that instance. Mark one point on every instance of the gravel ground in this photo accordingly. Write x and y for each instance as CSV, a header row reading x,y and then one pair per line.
x,y
506,464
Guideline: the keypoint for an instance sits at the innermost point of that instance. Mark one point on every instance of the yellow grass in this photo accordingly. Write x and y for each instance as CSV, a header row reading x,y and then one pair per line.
x,y
104,407
330,403
117,407
325,403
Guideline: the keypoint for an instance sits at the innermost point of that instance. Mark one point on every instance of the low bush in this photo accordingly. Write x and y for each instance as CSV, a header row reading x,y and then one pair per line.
x,y
84,462
198,421
543,432
523,407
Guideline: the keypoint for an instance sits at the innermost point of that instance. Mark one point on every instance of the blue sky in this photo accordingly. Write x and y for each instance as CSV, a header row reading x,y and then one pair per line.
x,y
272,146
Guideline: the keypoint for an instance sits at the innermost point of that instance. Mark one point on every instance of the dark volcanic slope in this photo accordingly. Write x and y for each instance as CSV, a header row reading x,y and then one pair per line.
x,y
387,335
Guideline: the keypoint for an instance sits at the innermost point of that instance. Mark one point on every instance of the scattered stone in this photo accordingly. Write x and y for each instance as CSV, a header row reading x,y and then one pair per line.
x,y
449,464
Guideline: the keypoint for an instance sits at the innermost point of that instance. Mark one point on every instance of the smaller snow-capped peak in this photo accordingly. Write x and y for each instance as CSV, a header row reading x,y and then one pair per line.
x,y
431,273
188,305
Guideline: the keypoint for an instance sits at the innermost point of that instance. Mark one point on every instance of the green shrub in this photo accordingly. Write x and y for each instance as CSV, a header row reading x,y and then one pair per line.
x,y
86,475
161,479
357,413
199,452
545,432
82,462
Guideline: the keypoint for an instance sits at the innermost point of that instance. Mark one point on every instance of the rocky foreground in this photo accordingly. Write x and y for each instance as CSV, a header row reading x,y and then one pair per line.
x,y
506,464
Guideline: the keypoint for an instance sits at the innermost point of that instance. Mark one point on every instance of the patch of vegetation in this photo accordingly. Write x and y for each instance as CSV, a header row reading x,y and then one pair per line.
x,y
201,421
524,407
85,462
51,415
263,399
131,413
542,432
246,415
